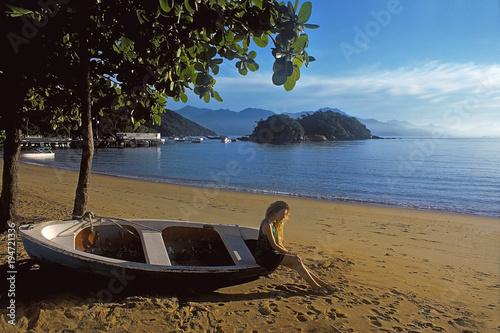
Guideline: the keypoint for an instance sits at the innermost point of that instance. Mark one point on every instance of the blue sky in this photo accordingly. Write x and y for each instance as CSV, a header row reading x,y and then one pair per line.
x,y
432,61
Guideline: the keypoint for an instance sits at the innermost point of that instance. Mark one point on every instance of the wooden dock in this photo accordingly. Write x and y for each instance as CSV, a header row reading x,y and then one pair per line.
x,y
39,141
121,140
138,139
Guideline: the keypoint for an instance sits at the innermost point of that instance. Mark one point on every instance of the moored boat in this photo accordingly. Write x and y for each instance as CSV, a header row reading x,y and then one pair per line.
x,y
39,152
196,140
175,253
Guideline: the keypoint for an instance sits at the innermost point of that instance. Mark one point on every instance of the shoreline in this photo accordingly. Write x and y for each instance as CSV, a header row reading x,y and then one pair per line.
x,y
397,269
271,193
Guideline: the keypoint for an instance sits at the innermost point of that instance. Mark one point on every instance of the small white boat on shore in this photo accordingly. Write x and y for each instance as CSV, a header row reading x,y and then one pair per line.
x,y
39,153
175,253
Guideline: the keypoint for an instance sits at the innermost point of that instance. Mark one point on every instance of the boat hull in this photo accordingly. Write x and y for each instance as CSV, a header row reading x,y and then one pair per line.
x,y
38,155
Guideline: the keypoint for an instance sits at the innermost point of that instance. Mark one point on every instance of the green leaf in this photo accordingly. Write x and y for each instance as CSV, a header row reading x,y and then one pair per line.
x,y
184,98
296,73
126,44
253,66
206,98
165,5
18,11
141,17
297,61
300,43
252,55
311,26
246,42
199,67
211,52
258,3
157,119
261,41
188,7
217,96
305,12
279,78
238,38
243,71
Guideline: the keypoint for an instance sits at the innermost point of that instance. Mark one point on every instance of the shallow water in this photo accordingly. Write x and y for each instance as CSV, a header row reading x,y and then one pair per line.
x,y
452,175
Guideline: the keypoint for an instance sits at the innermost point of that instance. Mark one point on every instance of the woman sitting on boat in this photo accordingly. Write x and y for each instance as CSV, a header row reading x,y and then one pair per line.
x,y
270,252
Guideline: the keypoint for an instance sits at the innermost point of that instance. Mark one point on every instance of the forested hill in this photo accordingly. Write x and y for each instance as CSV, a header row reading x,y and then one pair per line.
x,y
173,124
334,126
319,126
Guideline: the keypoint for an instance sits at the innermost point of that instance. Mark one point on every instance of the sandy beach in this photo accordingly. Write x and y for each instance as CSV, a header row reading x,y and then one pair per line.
x,y
397,270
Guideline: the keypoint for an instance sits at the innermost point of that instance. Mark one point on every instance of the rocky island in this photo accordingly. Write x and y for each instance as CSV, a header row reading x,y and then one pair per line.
x,y
319,126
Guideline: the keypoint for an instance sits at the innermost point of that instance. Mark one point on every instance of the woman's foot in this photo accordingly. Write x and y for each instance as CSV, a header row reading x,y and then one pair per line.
x,y
331,288
321,291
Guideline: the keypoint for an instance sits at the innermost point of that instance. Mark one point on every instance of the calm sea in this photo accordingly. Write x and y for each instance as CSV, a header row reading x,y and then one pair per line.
x,y
452,175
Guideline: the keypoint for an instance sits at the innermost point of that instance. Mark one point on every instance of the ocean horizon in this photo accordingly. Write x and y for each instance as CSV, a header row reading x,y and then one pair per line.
x,y
447,174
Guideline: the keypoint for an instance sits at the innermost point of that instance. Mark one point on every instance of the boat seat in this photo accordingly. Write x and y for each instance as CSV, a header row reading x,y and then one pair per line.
x,y
154,248
236,246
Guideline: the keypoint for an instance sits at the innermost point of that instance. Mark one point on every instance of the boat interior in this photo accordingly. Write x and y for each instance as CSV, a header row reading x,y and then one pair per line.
x,y
174,245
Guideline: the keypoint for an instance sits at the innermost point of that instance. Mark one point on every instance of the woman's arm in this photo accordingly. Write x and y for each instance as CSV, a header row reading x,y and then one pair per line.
x,y
266,229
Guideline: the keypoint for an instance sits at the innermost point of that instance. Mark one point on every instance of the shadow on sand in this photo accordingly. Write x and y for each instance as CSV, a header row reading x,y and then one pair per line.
x,y
37,283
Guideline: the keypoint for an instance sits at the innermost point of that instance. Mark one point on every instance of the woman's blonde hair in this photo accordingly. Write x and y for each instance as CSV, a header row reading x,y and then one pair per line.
x,y
274,208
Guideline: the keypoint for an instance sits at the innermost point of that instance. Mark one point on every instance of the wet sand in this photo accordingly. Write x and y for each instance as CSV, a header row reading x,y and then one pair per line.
x,y
397,270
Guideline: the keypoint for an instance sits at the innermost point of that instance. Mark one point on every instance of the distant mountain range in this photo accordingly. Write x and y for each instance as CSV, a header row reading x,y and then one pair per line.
x,y
231,123
224,121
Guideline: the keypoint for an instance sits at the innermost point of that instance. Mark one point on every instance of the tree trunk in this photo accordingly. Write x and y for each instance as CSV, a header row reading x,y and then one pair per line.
x,y
81,195
12,102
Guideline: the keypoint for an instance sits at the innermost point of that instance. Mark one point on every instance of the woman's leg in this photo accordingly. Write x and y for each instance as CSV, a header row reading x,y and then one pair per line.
x,y
294,262
322,282
309,274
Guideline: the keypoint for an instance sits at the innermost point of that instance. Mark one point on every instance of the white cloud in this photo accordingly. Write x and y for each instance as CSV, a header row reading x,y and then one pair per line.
x,y
430,81
426,93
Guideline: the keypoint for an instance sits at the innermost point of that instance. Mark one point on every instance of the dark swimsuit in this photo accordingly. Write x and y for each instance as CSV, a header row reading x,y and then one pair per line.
x,y
265,255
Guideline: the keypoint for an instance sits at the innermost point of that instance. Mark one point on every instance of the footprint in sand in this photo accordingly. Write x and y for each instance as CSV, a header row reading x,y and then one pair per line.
x,y
302,317
374,321
268,308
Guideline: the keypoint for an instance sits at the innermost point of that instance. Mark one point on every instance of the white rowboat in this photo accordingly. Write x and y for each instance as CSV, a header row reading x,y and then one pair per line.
x,y
177,253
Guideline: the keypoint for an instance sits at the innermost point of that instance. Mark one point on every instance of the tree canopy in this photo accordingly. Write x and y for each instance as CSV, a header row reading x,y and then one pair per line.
x,y
279,129
86,59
